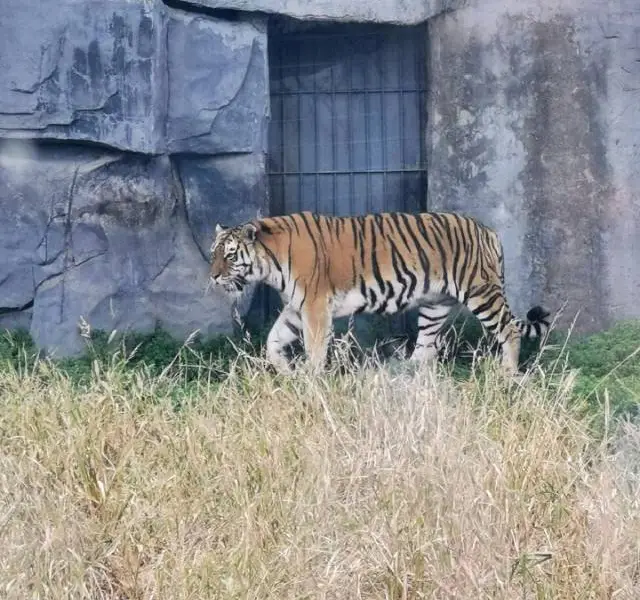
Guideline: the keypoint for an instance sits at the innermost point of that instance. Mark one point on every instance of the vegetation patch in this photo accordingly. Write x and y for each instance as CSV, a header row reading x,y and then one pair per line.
x,y
158,476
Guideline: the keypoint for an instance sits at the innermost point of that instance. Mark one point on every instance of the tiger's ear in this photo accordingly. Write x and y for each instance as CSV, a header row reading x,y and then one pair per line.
x,y
220,228
249,232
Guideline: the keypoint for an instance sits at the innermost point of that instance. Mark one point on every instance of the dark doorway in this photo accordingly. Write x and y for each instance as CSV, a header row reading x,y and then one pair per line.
x,y
347,118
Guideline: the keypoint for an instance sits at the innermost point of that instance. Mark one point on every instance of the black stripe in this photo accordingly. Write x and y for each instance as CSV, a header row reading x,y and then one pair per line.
x,y
491,316
353,271
395,219
456,255
374,259
295,224
424,261
474,264
290,252
488,303
363,287
413,280
293,328
272,256
358,238
313,241
443,257
423,231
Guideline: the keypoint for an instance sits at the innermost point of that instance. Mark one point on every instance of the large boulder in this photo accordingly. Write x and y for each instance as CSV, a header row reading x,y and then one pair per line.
x,y
135,76
108,242
88,231
77,70
218,85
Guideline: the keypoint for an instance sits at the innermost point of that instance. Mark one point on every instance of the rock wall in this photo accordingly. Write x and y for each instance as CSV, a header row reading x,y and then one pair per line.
x,y
127,129
398,12
534,126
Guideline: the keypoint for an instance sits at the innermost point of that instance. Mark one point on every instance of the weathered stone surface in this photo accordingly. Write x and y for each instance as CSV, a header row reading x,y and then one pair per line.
x,y
400,12
107,241
533,120
218,85
227,190
133,75
26,215
84,71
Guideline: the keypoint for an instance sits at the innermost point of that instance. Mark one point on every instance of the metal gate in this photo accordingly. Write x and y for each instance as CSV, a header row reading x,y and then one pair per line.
x,y
347,119
348,111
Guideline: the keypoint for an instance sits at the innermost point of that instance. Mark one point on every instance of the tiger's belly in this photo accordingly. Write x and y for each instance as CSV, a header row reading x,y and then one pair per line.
x,y
394,298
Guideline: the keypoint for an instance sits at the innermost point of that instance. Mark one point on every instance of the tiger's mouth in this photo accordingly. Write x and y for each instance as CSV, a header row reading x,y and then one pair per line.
x,y
231,287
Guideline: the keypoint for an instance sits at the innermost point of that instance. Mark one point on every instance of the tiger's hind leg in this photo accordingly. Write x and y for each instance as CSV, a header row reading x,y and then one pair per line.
x,y
286,330
431,318
489,304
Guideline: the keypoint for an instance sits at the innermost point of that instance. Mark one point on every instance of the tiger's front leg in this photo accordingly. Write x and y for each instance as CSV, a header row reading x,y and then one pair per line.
x,y
316,328
286,330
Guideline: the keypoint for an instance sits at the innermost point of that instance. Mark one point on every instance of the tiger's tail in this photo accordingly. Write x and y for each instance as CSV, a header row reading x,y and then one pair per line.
x,y
535,325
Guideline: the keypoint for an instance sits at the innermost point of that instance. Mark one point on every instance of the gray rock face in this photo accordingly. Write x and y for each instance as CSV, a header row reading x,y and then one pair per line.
x,y
229,116
534,118
239,180
399,12
87,231
132,75
83,71
111,244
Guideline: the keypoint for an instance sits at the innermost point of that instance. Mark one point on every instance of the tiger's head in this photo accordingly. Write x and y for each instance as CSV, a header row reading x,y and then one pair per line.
x,y
233,257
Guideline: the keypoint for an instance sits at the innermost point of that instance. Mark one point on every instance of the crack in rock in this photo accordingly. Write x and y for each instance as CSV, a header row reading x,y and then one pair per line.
x,y
8,310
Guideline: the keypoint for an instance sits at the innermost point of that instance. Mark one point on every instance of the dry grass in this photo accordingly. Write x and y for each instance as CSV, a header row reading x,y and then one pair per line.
x,y
374,484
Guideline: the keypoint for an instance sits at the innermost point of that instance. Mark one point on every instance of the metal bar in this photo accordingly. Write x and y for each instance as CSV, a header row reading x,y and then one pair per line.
x,y
424,117
385,200
367,143
334,150
401,123
346,93
349,171
314,116
349,129
298,76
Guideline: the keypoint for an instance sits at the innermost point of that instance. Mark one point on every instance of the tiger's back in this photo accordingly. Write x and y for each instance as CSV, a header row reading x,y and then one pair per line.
x,y
326,266
388,262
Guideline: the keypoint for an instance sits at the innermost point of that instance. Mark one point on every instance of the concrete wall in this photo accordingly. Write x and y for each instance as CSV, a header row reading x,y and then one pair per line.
x,y
534,126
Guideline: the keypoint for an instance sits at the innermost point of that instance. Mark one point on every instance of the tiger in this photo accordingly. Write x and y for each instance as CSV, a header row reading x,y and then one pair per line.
x,y
326,267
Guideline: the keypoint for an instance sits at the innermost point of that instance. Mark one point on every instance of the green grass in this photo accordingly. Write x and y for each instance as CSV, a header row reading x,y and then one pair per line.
x,y
606,364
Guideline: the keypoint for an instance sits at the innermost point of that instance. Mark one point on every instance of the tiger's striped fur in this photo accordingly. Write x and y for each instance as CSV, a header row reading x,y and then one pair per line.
x,y
326,267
